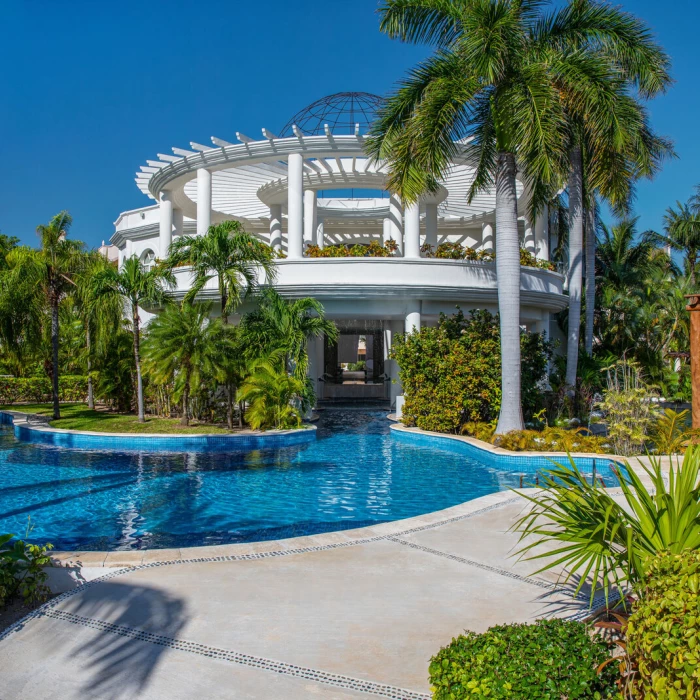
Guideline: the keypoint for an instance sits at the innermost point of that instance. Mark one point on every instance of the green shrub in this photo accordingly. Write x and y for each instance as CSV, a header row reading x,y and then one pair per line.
x,y
451,374
663,633
22,570
548,660
374,249
38,389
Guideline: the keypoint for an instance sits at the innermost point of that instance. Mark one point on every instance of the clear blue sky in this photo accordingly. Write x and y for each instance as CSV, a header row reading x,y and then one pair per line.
x,y
90,90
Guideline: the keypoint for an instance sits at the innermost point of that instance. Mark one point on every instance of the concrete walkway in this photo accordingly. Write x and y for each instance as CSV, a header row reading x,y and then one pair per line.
x,y
344,615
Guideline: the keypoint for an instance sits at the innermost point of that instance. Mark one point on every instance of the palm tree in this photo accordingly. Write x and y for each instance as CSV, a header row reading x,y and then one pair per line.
x,y
591,241
510,79
286,326
101,315
183,346
49,272
136,286
682,232
272,395
229,254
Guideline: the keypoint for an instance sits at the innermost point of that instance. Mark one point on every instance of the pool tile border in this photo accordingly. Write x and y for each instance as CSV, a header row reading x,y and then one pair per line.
x,y
260,662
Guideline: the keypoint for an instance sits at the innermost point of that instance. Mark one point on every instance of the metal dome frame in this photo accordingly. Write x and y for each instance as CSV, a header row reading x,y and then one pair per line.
x,y
341,111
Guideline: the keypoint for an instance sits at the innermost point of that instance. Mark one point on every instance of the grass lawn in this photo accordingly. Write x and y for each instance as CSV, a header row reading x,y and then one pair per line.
x,y
77,416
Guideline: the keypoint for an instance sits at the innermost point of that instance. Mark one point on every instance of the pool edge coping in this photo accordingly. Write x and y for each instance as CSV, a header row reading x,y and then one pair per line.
x,y
41,425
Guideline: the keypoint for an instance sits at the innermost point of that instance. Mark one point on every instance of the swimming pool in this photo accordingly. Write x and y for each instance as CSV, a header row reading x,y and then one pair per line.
x,y
355,474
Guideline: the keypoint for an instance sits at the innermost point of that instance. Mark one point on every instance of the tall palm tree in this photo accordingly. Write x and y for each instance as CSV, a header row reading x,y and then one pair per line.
x,y
136,286
286,326
610,141
49,271
225,253
182,346
682,232
510,79
101,314
591,240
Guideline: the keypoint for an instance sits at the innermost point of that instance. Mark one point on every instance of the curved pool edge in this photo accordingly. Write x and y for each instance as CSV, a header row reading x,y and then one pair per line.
x,y
292,545
498,457
38,432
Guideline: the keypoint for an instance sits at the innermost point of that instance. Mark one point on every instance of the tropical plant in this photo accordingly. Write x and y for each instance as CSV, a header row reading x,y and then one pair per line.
x,y
136,286
287,326
547,660
682,232
22,570
451,373
101,315
663,629
274,397
628,408
48,272
596,537
183,346
670,433
225,253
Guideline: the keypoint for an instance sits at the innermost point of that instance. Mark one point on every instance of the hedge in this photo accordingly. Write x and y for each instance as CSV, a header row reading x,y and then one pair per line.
x,y
38,389
663,633
547,660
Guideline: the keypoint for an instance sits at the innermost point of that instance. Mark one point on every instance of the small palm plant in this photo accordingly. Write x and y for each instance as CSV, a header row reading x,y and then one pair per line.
x,y
274,397
228,254
182,346
601,538
135,285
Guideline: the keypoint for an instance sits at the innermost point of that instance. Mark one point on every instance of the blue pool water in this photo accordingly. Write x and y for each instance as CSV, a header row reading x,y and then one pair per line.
x,y
355,474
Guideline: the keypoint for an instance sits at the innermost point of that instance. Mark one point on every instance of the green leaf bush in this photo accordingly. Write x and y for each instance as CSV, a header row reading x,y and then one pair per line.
x,y
22,571
38,389
547,660
663,632
451,373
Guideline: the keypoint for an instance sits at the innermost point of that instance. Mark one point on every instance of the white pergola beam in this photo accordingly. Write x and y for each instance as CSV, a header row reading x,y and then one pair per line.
x,y
200,147
327,129
268,134
243,138
166,157
183,152
220,142
156,164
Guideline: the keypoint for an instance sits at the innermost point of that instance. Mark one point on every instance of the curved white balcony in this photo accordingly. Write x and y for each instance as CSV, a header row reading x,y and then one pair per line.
x,y
351,285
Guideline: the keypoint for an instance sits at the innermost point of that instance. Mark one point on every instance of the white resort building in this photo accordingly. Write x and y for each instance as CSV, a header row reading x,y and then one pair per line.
x,y
310,183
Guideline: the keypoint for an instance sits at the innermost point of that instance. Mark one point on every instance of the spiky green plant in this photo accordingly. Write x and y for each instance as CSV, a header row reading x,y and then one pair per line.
x,y
273,396
228,254
597,538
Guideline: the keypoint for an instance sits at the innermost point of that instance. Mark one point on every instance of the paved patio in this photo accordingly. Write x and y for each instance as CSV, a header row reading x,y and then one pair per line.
x,y
343,615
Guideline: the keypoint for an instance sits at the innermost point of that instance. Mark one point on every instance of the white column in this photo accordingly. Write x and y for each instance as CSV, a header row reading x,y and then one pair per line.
x,y
295,207
178,222
276,227
203,201
542,235
488,239
412,321
431,225
396,219
320,233
529,237
166,223
391,367
411,222
310,217
386,229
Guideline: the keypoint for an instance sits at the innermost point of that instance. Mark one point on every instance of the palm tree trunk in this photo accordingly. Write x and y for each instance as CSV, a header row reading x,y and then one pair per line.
x,y
54,356
137,360
575,265
185,419
229,406
590,278
508,275
224,302
91,393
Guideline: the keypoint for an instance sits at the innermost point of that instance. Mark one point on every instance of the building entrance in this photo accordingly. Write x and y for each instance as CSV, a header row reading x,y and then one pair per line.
x,y
354,365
